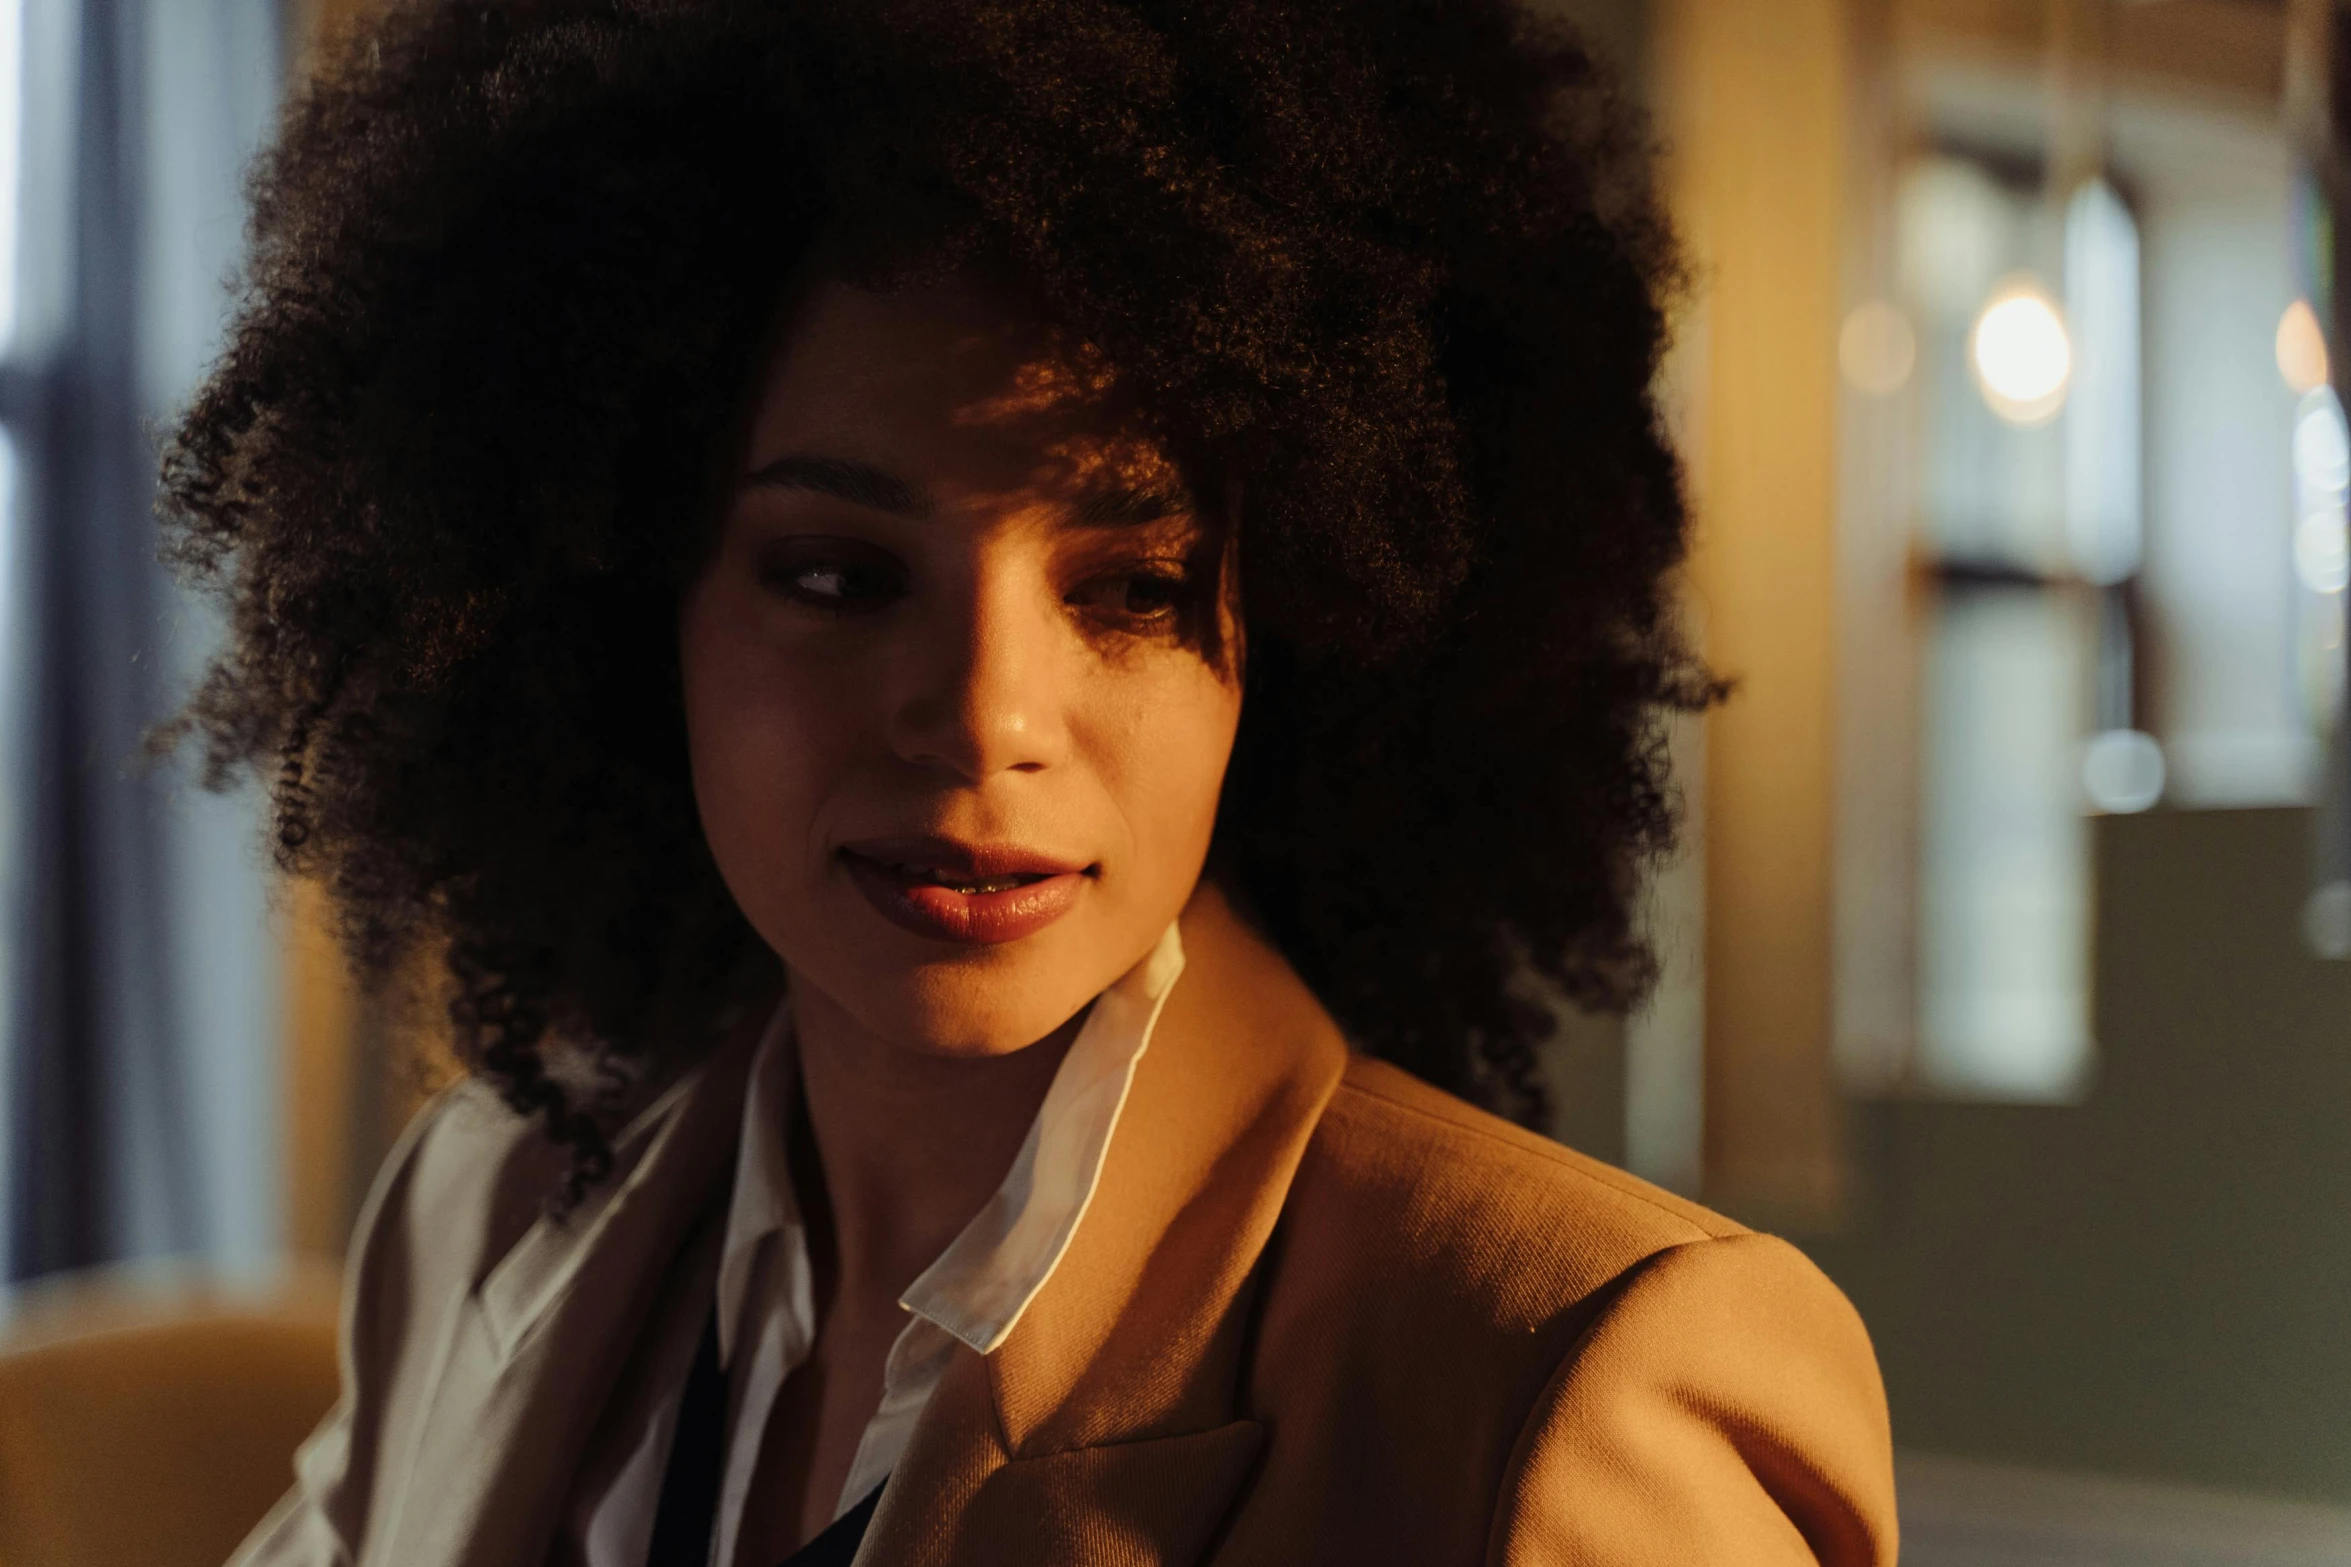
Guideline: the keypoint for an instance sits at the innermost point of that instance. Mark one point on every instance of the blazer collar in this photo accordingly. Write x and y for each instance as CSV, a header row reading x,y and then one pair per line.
x,y
1106,1427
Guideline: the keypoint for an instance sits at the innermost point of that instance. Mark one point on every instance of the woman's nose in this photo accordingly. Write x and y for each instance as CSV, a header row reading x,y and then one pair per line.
x,y
986,693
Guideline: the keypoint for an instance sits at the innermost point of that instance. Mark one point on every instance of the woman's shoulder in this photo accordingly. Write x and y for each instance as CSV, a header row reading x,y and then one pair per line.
x,y
1573,1344
1389,1141
1541,1358
470,1163
1472,1225
465,1177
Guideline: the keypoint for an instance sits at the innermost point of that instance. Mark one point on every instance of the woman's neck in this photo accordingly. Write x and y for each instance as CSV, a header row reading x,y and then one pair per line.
x,y
909,1145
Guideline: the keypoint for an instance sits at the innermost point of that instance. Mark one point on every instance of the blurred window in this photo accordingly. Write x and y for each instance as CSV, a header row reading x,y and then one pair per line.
x,y
2029,538
2220,582
2122,474
11,164
2322,551
138,999
12,628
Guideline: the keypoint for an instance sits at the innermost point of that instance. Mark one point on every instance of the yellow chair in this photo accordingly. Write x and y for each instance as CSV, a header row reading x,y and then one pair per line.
x,y
147,1427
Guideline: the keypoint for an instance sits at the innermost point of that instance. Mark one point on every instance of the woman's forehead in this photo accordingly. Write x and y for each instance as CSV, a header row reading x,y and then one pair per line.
x,y
949,351
956,390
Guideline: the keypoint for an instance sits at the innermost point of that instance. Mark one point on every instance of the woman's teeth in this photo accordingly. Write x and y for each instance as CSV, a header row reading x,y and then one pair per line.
x,y
967,886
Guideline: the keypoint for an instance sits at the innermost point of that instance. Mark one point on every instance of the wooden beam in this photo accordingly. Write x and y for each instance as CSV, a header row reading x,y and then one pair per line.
x,y
1754,106
2231,48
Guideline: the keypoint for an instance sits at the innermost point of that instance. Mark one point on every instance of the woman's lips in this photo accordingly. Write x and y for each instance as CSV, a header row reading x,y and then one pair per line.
x,y
977,894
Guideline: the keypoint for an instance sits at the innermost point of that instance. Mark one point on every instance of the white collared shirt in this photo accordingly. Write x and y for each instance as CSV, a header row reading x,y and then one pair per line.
x,y
973,1294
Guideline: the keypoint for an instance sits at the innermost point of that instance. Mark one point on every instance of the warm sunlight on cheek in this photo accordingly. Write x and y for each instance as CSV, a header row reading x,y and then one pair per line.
x,y
811,738
957,706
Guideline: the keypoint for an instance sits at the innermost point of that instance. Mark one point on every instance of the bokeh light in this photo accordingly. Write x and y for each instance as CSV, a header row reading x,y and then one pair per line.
x,y
2122,771
2302,348
2022,356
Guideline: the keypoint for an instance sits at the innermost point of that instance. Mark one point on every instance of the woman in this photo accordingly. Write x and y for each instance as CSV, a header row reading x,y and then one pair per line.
x,y
999,643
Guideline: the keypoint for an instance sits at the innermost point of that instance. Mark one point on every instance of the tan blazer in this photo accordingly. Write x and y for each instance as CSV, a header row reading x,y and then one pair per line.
x,y
1317,1313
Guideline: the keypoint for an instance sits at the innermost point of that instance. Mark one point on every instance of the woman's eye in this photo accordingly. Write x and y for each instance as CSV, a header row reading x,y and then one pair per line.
x,y
837,576
1141,597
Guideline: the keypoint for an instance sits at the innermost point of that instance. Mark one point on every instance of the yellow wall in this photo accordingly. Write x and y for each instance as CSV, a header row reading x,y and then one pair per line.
x,y
1753,103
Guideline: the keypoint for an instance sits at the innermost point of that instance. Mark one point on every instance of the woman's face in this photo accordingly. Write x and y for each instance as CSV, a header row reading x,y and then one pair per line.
x,y
955,742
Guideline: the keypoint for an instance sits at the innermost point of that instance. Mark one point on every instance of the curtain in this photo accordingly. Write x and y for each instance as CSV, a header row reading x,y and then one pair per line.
x,y
139,1114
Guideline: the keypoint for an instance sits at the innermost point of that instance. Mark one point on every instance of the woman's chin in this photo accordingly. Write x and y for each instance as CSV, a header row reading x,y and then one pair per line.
x,y
982,1035
960,1010
949,999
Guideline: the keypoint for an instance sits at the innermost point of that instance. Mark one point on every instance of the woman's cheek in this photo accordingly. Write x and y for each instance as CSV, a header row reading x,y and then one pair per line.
x,y
749,730
1176,764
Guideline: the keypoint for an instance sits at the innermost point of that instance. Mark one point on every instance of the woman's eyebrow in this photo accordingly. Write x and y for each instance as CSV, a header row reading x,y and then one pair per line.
x,y
1119,505
863,484
843,478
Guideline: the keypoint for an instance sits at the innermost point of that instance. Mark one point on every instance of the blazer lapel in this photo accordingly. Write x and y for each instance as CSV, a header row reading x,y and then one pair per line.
x,y
531,1355
1106,1429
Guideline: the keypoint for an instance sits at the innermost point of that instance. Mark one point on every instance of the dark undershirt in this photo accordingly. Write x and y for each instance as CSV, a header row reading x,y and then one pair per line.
x,y
689,1485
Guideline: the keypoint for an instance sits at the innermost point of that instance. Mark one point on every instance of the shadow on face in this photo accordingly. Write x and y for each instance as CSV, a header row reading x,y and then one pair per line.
x,y
956,711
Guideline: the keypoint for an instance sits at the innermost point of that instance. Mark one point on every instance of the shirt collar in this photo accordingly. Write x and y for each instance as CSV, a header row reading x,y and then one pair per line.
x,y
981,1284
987,1276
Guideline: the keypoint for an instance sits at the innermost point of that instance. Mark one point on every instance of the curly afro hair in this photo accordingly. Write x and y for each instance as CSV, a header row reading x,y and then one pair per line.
x,y
1392,265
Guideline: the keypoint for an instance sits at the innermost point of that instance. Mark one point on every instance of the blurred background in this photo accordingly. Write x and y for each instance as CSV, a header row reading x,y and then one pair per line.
x,y
2009,963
